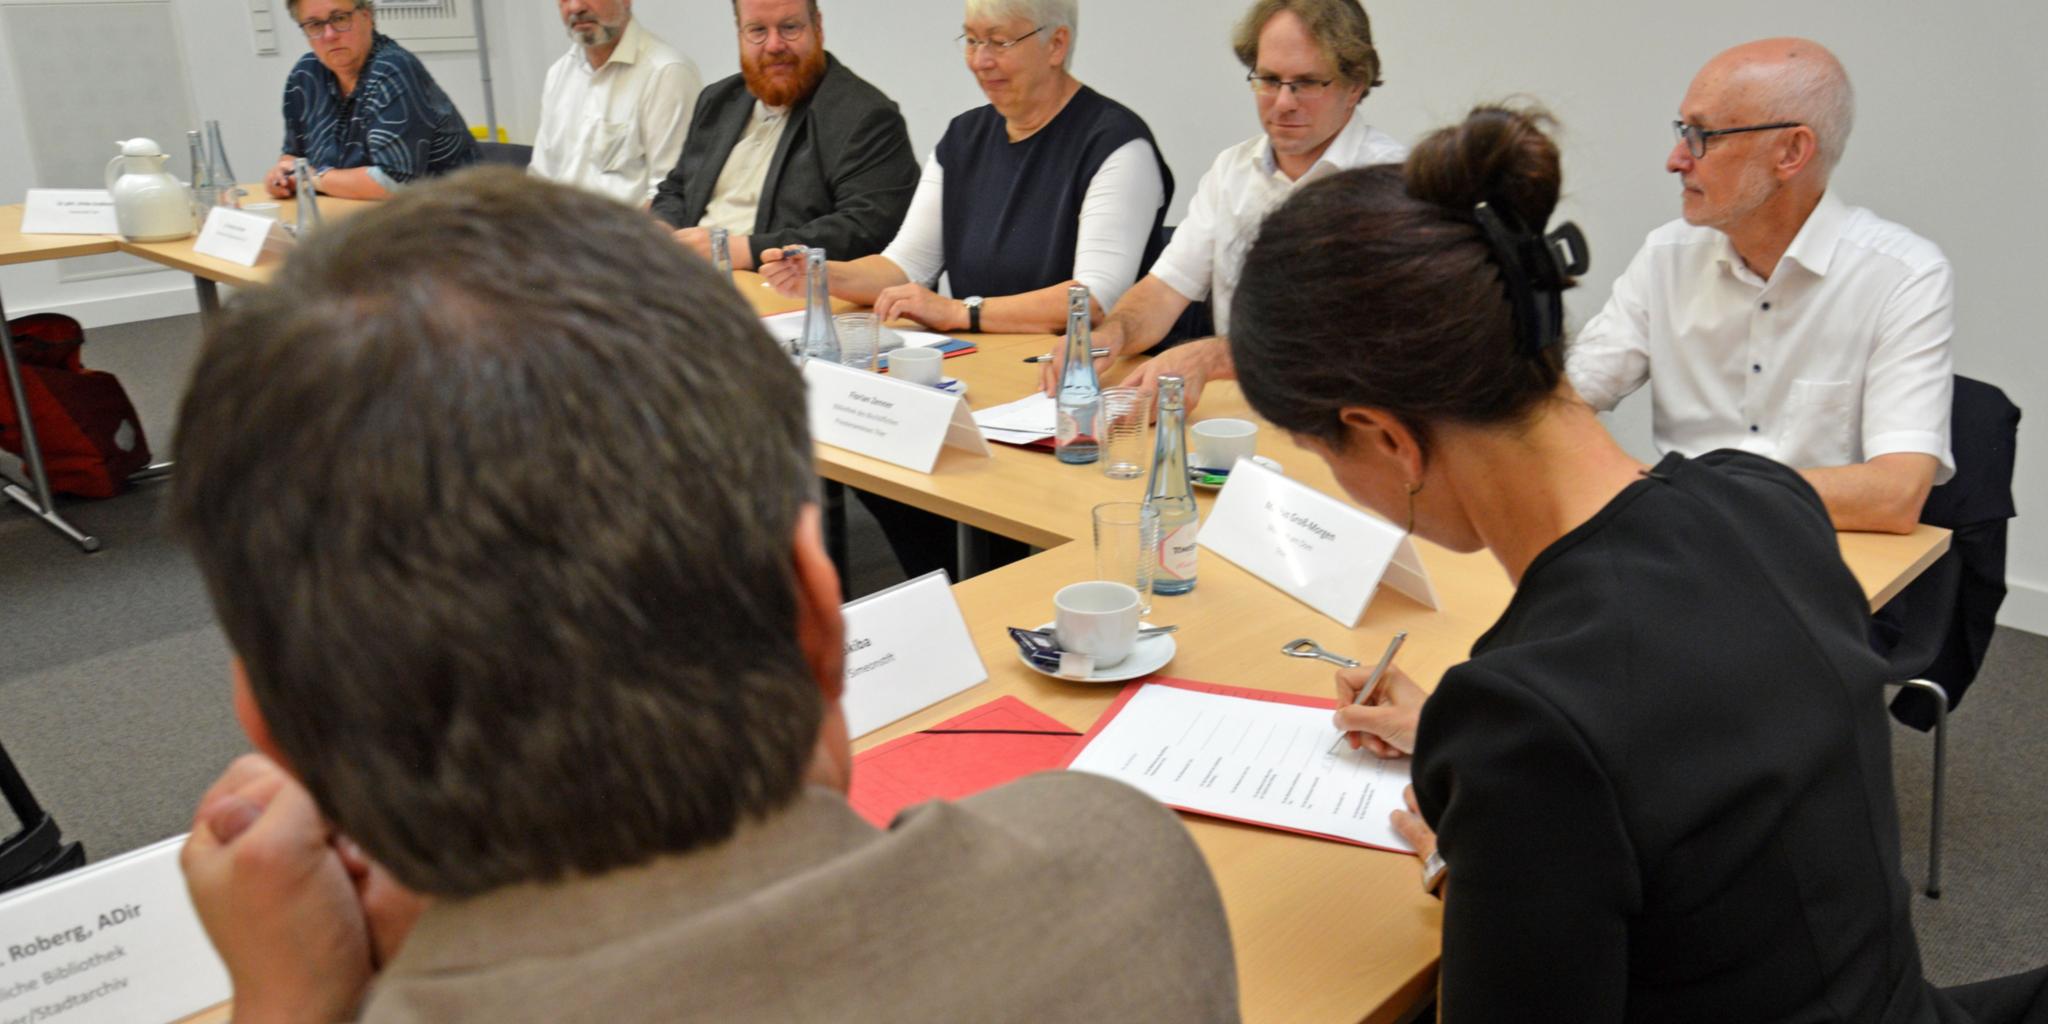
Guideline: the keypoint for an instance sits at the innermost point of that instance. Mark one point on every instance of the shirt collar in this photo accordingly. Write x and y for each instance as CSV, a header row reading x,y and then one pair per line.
x,y
1814,246
632,46
1342,151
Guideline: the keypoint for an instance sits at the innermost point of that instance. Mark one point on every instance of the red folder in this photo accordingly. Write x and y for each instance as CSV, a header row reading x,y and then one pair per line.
x,y
1000,741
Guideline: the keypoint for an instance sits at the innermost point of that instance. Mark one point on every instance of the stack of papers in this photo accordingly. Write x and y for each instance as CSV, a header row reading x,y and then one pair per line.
x,y
1027,420
998,742
788,327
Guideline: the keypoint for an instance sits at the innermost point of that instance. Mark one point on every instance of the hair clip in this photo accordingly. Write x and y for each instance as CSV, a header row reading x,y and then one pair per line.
x,y
1537,269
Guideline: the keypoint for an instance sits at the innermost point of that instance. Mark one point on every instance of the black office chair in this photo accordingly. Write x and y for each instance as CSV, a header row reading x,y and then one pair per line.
x,y
510,154
1934,634
38,851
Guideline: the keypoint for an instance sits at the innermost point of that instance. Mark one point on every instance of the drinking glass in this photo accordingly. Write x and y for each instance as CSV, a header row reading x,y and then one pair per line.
x,y
858,337
1122,430
1126,540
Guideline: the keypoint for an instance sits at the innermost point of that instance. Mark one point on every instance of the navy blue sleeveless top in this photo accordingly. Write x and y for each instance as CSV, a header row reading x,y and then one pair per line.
x,y
1012,210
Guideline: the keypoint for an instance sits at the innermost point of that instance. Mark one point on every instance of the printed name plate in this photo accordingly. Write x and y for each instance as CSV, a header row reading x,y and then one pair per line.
x,y
112,943
68,211
889,419
1326,553
235,235
907,648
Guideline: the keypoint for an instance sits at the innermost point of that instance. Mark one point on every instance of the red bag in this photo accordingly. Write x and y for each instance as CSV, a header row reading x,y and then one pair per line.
x,y
86,426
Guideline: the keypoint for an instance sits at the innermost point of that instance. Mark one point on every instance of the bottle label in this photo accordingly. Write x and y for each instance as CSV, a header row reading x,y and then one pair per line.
x,y
1177,552
1068,429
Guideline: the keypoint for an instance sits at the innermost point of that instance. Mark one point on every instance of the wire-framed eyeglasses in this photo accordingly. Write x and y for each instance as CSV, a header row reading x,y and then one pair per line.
x,y
340,21
790,31
1696,137
1303,88
970,44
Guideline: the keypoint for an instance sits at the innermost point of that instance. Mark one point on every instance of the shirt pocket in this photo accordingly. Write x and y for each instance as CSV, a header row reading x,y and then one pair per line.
x,y
1820,427
615,148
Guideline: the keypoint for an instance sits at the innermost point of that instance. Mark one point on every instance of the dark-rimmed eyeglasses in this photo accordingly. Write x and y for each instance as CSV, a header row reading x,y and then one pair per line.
x,y
340,22
790,31
969,44
1696,137
1303,88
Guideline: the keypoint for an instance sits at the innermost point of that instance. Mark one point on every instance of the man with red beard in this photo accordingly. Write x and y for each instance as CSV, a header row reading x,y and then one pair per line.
x,y
794,148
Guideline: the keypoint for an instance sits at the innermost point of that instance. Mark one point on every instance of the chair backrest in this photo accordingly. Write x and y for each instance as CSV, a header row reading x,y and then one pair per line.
x,y
510,154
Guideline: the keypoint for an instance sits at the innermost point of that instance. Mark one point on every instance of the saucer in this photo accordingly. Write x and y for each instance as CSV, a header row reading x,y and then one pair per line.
x,y
1148,655
952,386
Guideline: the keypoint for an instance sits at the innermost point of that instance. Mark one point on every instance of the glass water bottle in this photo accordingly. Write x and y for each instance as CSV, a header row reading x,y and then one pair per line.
x,y
721,252
819,341
1170,491
309,206
1080,399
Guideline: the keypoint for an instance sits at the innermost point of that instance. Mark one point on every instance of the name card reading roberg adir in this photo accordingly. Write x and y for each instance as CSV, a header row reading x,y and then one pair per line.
x,y
113,943
907,648
889,419
69,211
1322,551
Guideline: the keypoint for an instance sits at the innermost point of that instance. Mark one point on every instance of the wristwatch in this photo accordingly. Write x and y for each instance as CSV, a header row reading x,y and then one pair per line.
x,y
973,304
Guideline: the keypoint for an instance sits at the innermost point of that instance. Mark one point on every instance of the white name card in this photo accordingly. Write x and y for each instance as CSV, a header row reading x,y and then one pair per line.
x,y
113,943
237,235
892,420
68,211
1324,552
907,648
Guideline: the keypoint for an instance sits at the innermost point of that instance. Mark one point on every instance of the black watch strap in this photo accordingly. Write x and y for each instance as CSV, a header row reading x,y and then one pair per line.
x,y
974,315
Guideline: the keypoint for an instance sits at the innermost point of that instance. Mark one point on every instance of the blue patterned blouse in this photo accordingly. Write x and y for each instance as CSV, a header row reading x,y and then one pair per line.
x,y
398,123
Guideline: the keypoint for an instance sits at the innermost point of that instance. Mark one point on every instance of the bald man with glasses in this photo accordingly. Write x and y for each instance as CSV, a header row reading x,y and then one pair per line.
x,y
1774,317
796,148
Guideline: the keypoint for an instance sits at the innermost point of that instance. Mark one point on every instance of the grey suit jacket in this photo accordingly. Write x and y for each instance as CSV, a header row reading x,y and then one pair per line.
x,y
1061,897
841,178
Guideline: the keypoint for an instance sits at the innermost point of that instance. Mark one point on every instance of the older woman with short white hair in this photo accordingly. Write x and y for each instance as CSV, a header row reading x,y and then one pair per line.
x,y
1049,184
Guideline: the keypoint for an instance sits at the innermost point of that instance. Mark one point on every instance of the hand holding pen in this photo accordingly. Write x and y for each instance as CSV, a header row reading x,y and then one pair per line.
x,y
1380,707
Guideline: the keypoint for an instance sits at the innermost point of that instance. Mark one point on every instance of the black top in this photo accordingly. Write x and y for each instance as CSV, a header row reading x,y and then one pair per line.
x,y
1663,782
841,177
1012,210
398,120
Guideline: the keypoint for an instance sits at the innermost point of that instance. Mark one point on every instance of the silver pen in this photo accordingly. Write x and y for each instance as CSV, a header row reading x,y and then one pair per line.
x,y
1370,692
1048,357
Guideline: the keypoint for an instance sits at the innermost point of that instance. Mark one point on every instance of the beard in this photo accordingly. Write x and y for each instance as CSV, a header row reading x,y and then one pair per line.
x,y
592,32
779,91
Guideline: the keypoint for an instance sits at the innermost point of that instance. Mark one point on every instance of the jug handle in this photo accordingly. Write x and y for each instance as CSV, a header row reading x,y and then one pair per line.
x,y
110,171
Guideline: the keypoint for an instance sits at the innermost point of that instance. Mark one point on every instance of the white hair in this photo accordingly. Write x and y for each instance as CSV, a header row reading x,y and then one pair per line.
x,y
1048,14
1814,91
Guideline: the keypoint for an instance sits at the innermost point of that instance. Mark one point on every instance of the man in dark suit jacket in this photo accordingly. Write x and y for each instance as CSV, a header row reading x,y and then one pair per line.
x,y
794,148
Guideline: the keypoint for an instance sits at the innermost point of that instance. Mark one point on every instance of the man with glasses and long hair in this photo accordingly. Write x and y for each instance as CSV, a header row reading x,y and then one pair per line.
x,y
362,110
794,148
1776,318
1308,64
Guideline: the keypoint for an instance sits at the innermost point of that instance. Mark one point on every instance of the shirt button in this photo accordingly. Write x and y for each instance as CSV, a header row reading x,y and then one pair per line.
x,y
1752,428
1767,307
1756,367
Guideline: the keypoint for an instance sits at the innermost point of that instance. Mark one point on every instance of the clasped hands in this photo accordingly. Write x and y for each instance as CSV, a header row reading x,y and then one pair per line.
x,y
1386,727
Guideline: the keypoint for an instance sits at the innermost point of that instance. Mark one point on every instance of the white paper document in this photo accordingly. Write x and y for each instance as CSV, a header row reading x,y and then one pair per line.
x,y
907,648
1267,763
788,327
1031,418
115,942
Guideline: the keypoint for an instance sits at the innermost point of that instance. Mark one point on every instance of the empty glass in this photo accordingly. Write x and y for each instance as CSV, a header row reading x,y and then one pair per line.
x,y
1126,539
859,335
1122,430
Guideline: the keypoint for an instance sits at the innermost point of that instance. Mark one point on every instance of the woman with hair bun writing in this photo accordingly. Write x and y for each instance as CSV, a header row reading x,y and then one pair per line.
x,y
1662,784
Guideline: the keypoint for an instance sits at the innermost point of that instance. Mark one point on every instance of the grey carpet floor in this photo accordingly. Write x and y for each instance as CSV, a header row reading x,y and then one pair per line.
x,y
114,697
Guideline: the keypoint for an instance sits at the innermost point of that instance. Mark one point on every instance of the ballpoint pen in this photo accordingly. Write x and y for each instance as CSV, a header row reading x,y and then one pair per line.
x,y
1096,352
1370,692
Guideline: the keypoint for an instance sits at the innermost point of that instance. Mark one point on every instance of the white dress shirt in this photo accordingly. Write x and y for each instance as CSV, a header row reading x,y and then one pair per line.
x,y
1116,222
1842,356
616,129
1206,256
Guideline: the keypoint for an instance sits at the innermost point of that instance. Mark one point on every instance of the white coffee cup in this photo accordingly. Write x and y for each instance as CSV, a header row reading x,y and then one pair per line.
x,y
1219,443
269,210
916,365
1098,618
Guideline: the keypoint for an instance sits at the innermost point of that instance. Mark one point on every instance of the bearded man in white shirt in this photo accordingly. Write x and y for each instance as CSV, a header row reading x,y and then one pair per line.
x,y
1309,63
616,107
1775,318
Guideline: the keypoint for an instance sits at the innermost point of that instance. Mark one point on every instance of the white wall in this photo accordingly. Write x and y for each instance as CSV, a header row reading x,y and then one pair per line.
x,y
1948,139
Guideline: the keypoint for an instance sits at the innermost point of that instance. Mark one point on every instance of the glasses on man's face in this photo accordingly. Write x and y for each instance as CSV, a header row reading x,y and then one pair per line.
x,y
1303,88
790,31
340,22
1696,137
998,45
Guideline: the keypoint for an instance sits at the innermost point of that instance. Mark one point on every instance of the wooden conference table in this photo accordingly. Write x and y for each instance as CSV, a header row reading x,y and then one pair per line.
x,y
1323,931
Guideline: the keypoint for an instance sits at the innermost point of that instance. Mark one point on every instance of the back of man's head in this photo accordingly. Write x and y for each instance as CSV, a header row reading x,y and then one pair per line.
x,y
494,488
